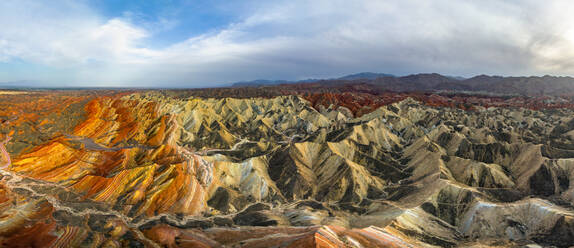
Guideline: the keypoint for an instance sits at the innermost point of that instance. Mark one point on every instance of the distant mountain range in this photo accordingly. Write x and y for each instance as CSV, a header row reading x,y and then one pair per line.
x,y
380,82
261,82
373,82
366,75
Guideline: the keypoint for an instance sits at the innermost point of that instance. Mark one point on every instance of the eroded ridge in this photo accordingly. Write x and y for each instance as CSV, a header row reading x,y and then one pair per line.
x,y
146,169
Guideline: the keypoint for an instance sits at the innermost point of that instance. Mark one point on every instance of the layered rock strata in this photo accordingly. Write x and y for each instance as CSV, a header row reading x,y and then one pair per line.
x,y
150,170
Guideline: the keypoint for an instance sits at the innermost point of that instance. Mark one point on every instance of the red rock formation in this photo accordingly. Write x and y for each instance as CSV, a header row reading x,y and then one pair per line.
x,y
98,160
315,236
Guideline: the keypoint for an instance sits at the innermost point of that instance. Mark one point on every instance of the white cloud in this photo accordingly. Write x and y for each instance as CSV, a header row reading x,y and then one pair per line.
x,y
296,39
65,33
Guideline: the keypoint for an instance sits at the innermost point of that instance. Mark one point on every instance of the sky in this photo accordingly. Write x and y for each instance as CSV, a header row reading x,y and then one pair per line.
x,y
192,43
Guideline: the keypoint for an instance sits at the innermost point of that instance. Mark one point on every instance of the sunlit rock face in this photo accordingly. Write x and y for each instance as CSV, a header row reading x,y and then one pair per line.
x,y
149,170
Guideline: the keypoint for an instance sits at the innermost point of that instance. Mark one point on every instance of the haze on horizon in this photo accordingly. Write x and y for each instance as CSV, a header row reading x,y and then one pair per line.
x,y
181,43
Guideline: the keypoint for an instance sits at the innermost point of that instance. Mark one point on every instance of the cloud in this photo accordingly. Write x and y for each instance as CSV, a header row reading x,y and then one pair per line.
x,y
294,40
64,34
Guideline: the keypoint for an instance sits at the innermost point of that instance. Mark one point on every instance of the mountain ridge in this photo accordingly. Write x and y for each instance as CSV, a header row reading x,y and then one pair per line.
x,y
525,85
262,82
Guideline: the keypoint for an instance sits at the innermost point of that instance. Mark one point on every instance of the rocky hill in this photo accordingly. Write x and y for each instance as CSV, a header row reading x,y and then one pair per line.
x,y
163,169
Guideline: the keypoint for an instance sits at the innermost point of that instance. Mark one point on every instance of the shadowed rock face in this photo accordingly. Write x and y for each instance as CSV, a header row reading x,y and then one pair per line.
x,y
150,170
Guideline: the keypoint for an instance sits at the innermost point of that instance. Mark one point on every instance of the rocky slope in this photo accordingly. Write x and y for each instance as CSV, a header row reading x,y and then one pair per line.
x,y
150,170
